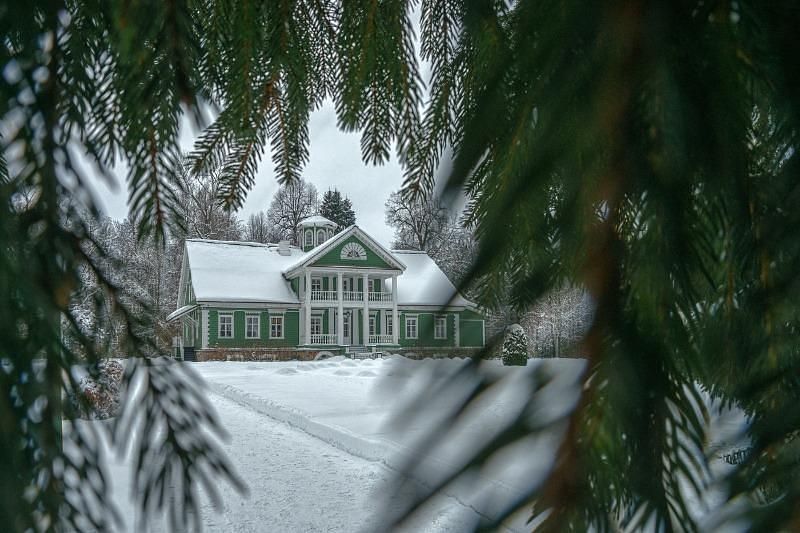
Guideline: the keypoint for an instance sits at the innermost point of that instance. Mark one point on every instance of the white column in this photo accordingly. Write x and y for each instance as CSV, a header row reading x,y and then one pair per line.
x,y
340,316
457,330
308,307
395,316
204,328
365,321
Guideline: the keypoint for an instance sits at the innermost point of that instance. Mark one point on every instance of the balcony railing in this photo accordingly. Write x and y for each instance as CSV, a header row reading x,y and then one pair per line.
x,y
323,296
323,338
352,296
380,339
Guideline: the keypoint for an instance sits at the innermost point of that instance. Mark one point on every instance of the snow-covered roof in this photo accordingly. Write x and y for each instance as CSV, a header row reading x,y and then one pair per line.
x,y
316,220
423,282
181,311
229,271
224,271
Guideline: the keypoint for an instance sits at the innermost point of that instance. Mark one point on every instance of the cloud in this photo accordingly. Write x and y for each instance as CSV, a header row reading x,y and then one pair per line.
x,y
334,162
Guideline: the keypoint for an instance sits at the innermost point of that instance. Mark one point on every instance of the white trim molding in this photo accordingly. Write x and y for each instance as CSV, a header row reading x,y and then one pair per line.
x,y
247,316
406,318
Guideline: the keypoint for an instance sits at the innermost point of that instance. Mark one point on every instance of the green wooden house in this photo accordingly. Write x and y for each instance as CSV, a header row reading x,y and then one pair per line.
x,y
338,293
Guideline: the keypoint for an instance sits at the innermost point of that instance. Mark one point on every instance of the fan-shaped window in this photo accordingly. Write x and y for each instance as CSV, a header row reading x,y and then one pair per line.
x,y
354,251
320,236
309,238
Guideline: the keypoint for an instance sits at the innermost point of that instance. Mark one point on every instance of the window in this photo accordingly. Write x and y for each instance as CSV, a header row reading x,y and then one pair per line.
x,y
320,236
411,327
225,326
389,319
372,324
316,325
309,238
252,326
316,284
276,327
346,324
440,328
346,284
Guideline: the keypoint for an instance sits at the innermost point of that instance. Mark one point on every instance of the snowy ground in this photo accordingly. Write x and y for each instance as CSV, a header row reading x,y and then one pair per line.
x,y
316,444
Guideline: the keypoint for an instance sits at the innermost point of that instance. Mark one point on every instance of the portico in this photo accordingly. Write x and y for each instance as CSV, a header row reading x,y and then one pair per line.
x,y
345,306
347,287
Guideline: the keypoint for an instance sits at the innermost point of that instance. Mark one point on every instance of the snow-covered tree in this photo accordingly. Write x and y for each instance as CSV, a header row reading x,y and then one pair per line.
x,y
419,223
515,346
258,229
204,215
337,208
292,203
558,321
455,252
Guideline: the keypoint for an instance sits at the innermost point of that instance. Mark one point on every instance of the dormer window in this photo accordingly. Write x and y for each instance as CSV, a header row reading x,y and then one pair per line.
x,y
309,238
320,236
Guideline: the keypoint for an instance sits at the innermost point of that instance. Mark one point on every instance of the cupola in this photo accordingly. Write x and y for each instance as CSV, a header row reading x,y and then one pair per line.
x,y
313,231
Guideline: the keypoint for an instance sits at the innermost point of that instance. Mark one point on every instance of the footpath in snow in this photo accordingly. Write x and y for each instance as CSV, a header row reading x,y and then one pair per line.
x,y
296,483
351,405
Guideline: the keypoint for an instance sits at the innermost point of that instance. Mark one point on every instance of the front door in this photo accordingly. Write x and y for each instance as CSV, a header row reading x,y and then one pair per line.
x,y
347,325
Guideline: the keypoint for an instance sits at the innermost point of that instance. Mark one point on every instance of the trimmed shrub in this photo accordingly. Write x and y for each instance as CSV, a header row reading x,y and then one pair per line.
x,y
515,346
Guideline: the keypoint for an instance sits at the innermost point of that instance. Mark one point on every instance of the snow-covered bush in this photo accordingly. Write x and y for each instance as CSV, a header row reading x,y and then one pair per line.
x,y
99,392
515,346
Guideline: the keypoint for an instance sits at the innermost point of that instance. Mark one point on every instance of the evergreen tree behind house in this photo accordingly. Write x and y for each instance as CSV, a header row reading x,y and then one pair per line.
x,y
338,209
340,293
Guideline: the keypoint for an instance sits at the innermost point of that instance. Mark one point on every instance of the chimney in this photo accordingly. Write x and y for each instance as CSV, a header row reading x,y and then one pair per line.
x,y
283,248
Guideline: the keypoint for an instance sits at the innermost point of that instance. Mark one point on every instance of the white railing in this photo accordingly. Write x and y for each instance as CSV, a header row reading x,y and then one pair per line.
x,y
323,338
380,297
352,296
323,296
380,339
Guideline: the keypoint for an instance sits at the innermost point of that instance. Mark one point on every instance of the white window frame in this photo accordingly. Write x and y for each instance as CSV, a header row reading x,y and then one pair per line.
x,y
388,324
373,323
247,318
346,324
409,319
320,236
440,321
316,325
316,284
272,324
309,237
220,335
346,285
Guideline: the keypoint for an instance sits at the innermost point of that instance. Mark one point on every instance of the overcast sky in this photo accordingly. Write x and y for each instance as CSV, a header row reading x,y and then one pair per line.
x,y
334,162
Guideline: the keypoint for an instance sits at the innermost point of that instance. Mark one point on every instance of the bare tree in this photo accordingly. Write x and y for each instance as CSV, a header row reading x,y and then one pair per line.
x,y
205,217
291,204
558,321
419,224
258,229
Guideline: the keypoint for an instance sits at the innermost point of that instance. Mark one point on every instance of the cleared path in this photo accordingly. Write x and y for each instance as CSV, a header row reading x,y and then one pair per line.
x,y
297,483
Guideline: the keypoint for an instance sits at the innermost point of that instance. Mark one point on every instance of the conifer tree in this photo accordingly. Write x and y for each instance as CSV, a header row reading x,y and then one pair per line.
x,y
643,150
337,208
515,347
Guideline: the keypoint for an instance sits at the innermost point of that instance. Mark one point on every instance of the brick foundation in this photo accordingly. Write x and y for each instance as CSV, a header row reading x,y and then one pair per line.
x,y
257,354
301,354
423,353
